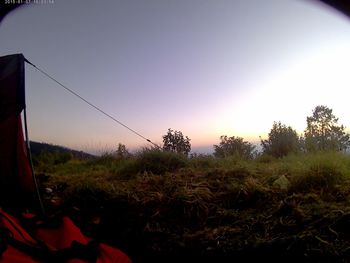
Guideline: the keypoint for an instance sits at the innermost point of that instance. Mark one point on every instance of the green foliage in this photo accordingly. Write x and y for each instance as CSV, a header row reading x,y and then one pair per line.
x,y
174,141
234,146
282,140
150,160
196,202
159,162
320,172
126,169
202,161
105,159
47,161
37,148
265,158
122,152
323,132
284,200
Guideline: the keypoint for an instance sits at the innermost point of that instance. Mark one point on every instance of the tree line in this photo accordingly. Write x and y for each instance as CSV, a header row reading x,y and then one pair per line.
x,y
322,133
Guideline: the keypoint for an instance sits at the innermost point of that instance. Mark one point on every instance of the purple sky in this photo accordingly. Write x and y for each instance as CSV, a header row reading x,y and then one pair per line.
x,y
205,67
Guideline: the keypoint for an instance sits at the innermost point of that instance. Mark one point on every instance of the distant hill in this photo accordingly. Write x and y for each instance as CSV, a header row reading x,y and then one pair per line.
x,y
41,147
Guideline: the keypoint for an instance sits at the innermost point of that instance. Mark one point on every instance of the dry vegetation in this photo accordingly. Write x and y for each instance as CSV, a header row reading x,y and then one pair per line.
x,y
165,207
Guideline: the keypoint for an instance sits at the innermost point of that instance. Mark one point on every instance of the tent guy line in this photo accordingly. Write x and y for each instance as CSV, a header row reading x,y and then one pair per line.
x,y
91,104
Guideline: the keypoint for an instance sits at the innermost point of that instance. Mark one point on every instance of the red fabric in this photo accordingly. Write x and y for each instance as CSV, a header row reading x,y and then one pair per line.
x,y
25,175
55,238
16,177
62,237
11,254
10,222
68,232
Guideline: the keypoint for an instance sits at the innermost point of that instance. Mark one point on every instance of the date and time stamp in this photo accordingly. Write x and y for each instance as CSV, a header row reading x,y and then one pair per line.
x,y
20,2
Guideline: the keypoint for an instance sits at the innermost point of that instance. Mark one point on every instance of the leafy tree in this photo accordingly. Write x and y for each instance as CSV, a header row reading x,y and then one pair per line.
x,y
234,146
122,152
174,141
281,141
323,132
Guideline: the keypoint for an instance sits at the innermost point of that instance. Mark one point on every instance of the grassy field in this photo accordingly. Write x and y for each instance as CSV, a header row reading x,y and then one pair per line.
x,y
164,207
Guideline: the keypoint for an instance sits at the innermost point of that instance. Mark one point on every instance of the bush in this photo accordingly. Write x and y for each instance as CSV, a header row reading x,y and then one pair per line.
x,y
234,146
174,141
159,162
46,161
323,177
126,168
151,161
202,161
282,141
319,171
106,159
265,158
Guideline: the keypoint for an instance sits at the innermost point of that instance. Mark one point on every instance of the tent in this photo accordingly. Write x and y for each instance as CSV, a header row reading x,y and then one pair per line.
x,y
16,180
59,242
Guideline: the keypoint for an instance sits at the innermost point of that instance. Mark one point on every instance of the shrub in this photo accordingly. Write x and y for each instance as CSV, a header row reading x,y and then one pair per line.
x,y
62,158
282,140
150,160
265,158
47,161
234,146
202,161
126,168
319,171
174,141
106,159
159,162
239,172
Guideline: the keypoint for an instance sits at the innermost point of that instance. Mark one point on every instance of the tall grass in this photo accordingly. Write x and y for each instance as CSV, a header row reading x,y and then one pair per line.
x,y
304,171
317,171
210,203
152,161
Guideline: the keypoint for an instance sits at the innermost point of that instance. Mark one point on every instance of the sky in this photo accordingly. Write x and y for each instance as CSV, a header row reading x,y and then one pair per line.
x,y
204,67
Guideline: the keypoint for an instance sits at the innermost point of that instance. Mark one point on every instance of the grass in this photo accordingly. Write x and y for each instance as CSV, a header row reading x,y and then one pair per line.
x,y
165,207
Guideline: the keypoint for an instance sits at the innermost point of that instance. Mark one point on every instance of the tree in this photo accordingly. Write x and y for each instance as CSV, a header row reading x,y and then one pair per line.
x,y
323,132
122,152
281,141
174,141
234,146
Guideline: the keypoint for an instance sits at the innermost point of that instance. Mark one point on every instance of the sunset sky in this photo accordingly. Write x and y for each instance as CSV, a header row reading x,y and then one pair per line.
x,y
204,67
